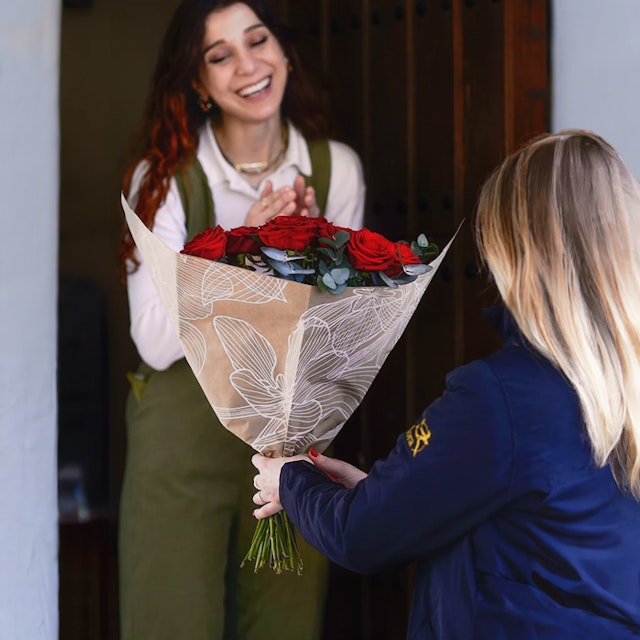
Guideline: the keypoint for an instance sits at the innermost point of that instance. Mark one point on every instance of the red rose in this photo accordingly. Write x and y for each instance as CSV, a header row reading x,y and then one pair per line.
x,y
209,244
370,251
404,256
242,240
294,233
326,229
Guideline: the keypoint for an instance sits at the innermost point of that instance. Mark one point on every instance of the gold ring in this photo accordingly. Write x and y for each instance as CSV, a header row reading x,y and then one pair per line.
x,y
265,203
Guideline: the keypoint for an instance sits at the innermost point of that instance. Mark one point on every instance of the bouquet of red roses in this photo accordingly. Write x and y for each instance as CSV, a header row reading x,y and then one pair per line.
x,y
285,360
314,251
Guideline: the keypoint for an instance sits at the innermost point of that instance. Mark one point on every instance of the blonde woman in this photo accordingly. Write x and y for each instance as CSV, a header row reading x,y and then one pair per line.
x,y
517,490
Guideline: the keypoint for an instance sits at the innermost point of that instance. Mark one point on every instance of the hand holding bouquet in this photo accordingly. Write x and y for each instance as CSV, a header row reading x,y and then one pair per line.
x,y
283,362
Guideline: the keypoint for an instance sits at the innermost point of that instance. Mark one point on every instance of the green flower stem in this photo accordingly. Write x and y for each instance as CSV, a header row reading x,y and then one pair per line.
x,y
275,544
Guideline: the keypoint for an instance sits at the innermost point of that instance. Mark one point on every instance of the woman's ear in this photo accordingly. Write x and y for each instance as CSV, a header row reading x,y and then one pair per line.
x,y
206,102
199,90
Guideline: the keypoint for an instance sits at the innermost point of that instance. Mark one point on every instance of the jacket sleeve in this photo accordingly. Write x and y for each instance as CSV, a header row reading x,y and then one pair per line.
x,y
448,473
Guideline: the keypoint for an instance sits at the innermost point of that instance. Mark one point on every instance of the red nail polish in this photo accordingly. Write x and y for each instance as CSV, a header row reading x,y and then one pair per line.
x,y
313,453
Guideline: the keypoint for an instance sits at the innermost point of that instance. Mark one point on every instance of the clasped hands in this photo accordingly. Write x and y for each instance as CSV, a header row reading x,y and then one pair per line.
x,y
267,481
299,200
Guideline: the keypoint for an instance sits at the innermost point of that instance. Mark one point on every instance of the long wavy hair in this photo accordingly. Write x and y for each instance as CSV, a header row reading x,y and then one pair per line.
x,y
558,226
168,136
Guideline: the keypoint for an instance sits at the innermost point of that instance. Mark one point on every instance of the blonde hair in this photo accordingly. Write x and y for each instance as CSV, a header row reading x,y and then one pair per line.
x,y
558,226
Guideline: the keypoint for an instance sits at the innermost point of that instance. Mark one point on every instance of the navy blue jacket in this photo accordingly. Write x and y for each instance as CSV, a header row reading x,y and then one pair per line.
x,y
493,492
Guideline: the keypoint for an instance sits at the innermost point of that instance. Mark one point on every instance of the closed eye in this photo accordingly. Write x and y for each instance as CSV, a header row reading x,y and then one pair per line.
x,y
216,54
260,41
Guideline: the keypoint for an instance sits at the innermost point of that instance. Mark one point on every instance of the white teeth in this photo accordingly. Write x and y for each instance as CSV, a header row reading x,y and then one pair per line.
x,y
254,88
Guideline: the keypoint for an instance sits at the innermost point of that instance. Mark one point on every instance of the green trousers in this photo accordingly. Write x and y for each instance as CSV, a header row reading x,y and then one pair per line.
x,y
186,525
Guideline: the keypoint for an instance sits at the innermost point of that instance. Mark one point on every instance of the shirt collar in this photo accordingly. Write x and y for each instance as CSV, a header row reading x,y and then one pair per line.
x,y
219,170
215,166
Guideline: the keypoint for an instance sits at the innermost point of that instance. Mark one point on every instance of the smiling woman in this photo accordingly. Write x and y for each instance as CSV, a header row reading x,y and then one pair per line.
x,y
245,74
232,135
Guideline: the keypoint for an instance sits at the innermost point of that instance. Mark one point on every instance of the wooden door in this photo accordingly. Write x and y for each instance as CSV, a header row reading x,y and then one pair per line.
x,y
432,94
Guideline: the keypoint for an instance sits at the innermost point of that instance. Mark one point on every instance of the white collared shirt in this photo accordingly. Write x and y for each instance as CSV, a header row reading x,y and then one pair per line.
x,y
233,196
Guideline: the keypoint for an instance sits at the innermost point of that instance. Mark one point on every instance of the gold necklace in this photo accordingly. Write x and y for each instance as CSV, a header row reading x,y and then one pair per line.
x,y
256,168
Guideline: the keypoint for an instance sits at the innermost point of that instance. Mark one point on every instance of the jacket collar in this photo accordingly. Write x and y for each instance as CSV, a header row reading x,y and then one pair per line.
x,y
501,318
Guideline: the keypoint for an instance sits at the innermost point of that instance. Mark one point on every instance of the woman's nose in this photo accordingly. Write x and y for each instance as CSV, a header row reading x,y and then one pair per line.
x,y
246,62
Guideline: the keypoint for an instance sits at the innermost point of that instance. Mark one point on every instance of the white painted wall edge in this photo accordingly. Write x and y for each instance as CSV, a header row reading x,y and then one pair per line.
x,y
29,142
595,71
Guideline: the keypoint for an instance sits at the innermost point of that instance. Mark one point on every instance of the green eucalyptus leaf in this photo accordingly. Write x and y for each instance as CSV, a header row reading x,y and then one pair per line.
x,y
283,268
422,240
387,280
289,268
342,262
341,238
297,269
327,253
321,285
404,279
275,254
340,276
330,242
341,288
279,255
329,281
416,269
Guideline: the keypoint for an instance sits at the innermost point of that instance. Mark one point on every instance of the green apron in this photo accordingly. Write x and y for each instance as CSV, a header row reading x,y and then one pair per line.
x,y
185,508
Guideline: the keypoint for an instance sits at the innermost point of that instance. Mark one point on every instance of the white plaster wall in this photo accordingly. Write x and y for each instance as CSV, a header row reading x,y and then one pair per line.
x,y
29,52
595,58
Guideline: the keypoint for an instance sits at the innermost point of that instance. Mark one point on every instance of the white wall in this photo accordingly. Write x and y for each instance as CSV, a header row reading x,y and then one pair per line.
x,y
595,59
29,51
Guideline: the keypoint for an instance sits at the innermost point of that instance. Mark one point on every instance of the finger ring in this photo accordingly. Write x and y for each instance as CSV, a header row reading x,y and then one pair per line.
x,y
265,203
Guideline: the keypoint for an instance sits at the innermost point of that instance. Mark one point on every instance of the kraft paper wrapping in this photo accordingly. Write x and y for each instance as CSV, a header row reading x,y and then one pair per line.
x,y
282,364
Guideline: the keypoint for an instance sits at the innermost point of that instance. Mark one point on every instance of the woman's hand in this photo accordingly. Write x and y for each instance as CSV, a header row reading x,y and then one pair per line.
x,y
338,470
271,204
286,201
267,482
305,199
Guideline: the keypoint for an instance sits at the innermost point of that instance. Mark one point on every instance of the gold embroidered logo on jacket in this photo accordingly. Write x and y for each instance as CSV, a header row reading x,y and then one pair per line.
x,y
418,437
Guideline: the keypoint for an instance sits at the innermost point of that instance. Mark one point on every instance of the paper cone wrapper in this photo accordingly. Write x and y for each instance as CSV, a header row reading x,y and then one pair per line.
x,y
282,364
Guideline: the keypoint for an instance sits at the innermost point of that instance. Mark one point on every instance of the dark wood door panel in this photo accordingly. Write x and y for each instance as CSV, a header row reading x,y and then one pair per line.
x,y
346,70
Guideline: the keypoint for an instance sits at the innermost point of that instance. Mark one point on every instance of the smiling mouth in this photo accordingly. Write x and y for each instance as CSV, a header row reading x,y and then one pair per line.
x,y
255,88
